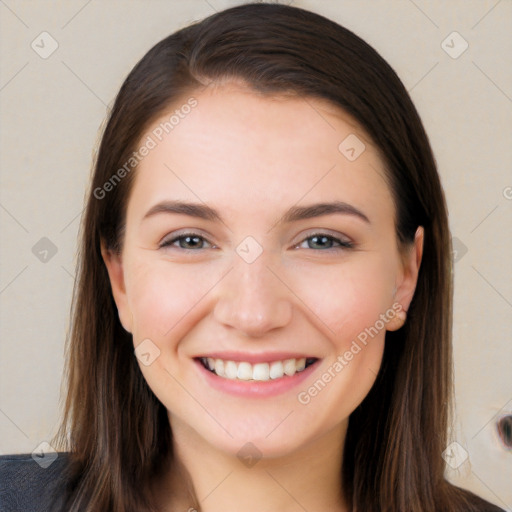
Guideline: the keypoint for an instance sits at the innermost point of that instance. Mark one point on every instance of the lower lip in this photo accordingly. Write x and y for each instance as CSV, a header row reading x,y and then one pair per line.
x,y
254,388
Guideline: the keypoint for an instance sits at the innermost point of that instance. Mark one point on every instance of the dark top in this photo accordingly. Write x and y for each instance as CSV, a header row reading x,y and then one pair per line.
x,y
29,484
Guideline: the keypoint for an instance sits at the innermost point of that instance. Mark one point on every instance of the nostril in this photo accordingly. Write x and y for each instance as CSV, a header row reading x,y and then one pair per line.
x,y
504,427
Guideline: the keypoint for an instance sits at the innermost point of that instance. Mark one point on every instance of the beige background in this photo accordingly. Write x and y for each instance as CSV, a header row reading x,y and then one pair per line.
x,y
52,109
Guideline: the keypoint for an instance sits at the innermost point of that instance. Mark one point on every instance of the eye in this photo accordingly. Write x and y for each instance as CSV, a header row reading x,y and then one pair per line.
x,y
194,241
186,241
324,240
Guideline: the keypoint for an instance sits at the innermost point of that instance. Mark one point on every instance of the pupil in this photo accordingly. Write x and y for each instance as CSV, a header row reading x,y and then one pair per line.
x,y
189,238
323,240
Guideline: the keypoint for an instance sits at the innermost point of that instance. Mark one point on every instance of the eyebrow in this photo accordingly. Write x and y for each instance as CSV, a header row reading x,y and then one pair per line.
x,y
293,214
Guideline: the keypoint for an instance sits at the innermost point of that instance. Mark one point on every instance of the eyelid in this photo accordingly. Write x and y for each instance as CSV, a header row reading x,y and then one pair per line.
x,y
171,238
326,232
343,241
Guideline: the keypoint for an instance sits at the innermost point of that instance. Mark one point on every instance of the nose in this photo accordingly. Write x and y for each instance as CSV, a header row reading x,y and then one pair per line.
x,y
252,298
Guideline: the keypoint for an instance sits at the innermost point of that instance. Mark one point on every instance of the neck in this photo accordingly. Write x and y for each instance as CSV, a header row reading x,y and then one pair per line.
x,y
202,478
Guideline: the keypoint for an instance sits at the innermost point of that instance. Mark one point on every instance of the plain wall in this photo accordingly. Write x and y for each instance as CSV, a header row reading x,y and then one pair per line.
x,y
51,112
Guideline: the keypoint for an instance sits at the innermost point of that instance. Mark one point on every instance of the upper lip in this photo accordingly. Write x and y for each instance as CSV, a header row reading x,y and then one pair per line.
x,y
254,358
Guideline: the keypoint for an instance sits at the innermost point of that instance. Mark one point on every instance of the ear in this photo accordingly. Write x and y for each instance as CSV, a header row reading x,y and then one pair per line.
x,y
405,285
114,263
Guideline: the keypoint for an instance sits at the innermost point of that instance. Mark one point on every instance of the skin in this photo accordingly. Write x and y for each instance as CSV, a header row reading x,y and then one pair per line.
x,y
252,157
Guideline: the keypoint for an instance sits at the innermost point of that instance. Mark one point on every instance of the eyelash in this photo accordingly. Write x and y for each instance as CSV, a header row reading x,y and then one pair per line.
x,y
343,245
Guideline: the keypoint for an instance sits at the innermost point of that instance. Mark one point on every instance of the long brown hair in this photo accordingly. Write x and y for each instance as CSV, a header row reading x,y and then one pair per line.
x,y
115,429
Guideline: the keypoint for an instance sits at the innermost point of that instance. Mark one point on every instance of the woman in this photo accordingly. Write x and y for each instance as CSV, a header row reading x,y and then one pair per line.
x,y
262,316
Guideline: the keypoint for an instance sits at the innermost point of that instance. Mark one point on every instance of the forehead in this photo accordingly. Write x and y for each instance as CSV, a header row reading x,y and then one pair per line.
x,y
244,151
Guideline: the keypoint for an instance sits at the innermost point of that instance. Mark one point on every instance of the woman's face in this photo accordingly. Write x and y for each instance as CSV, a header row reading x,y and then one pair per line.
x,y
261,282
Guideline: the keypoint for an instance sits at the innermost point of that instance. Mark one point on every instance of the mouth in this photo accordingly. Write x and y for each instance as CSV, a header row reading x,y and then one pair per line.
x,y
261,372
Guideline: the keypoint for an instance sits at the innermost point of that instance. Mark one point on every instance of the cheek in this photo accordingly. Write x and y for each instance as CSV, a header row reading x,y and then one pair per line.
x,y
163,296
346,298
349,301
166,302
342,300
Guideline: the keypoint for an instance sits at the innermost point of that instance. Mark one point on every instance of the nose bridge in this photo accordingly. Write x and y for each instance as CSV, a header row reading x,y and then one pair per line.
x,y
251,297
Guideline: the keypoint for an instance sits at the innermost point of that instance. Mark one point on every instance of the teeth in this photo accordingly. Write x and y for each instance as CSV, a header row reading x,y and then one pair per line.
x,y
219,368
231,369
259,371
276,370
289,367
244,371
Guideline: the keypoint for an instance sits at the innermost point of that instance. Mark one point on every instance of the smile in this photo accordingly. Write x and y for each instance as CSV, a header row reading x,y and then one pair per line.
x,y
245,371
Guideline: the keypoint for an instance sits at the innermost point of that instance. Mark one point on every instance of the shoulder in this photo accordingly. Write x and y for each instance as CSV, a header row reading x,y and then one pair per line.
x,y
480,505
470,502
29,484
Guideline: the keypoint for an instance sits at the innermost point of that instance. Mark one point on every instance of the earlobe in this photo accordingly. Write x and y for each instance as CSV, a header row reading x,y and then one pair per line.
x,y
397,321
114,263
